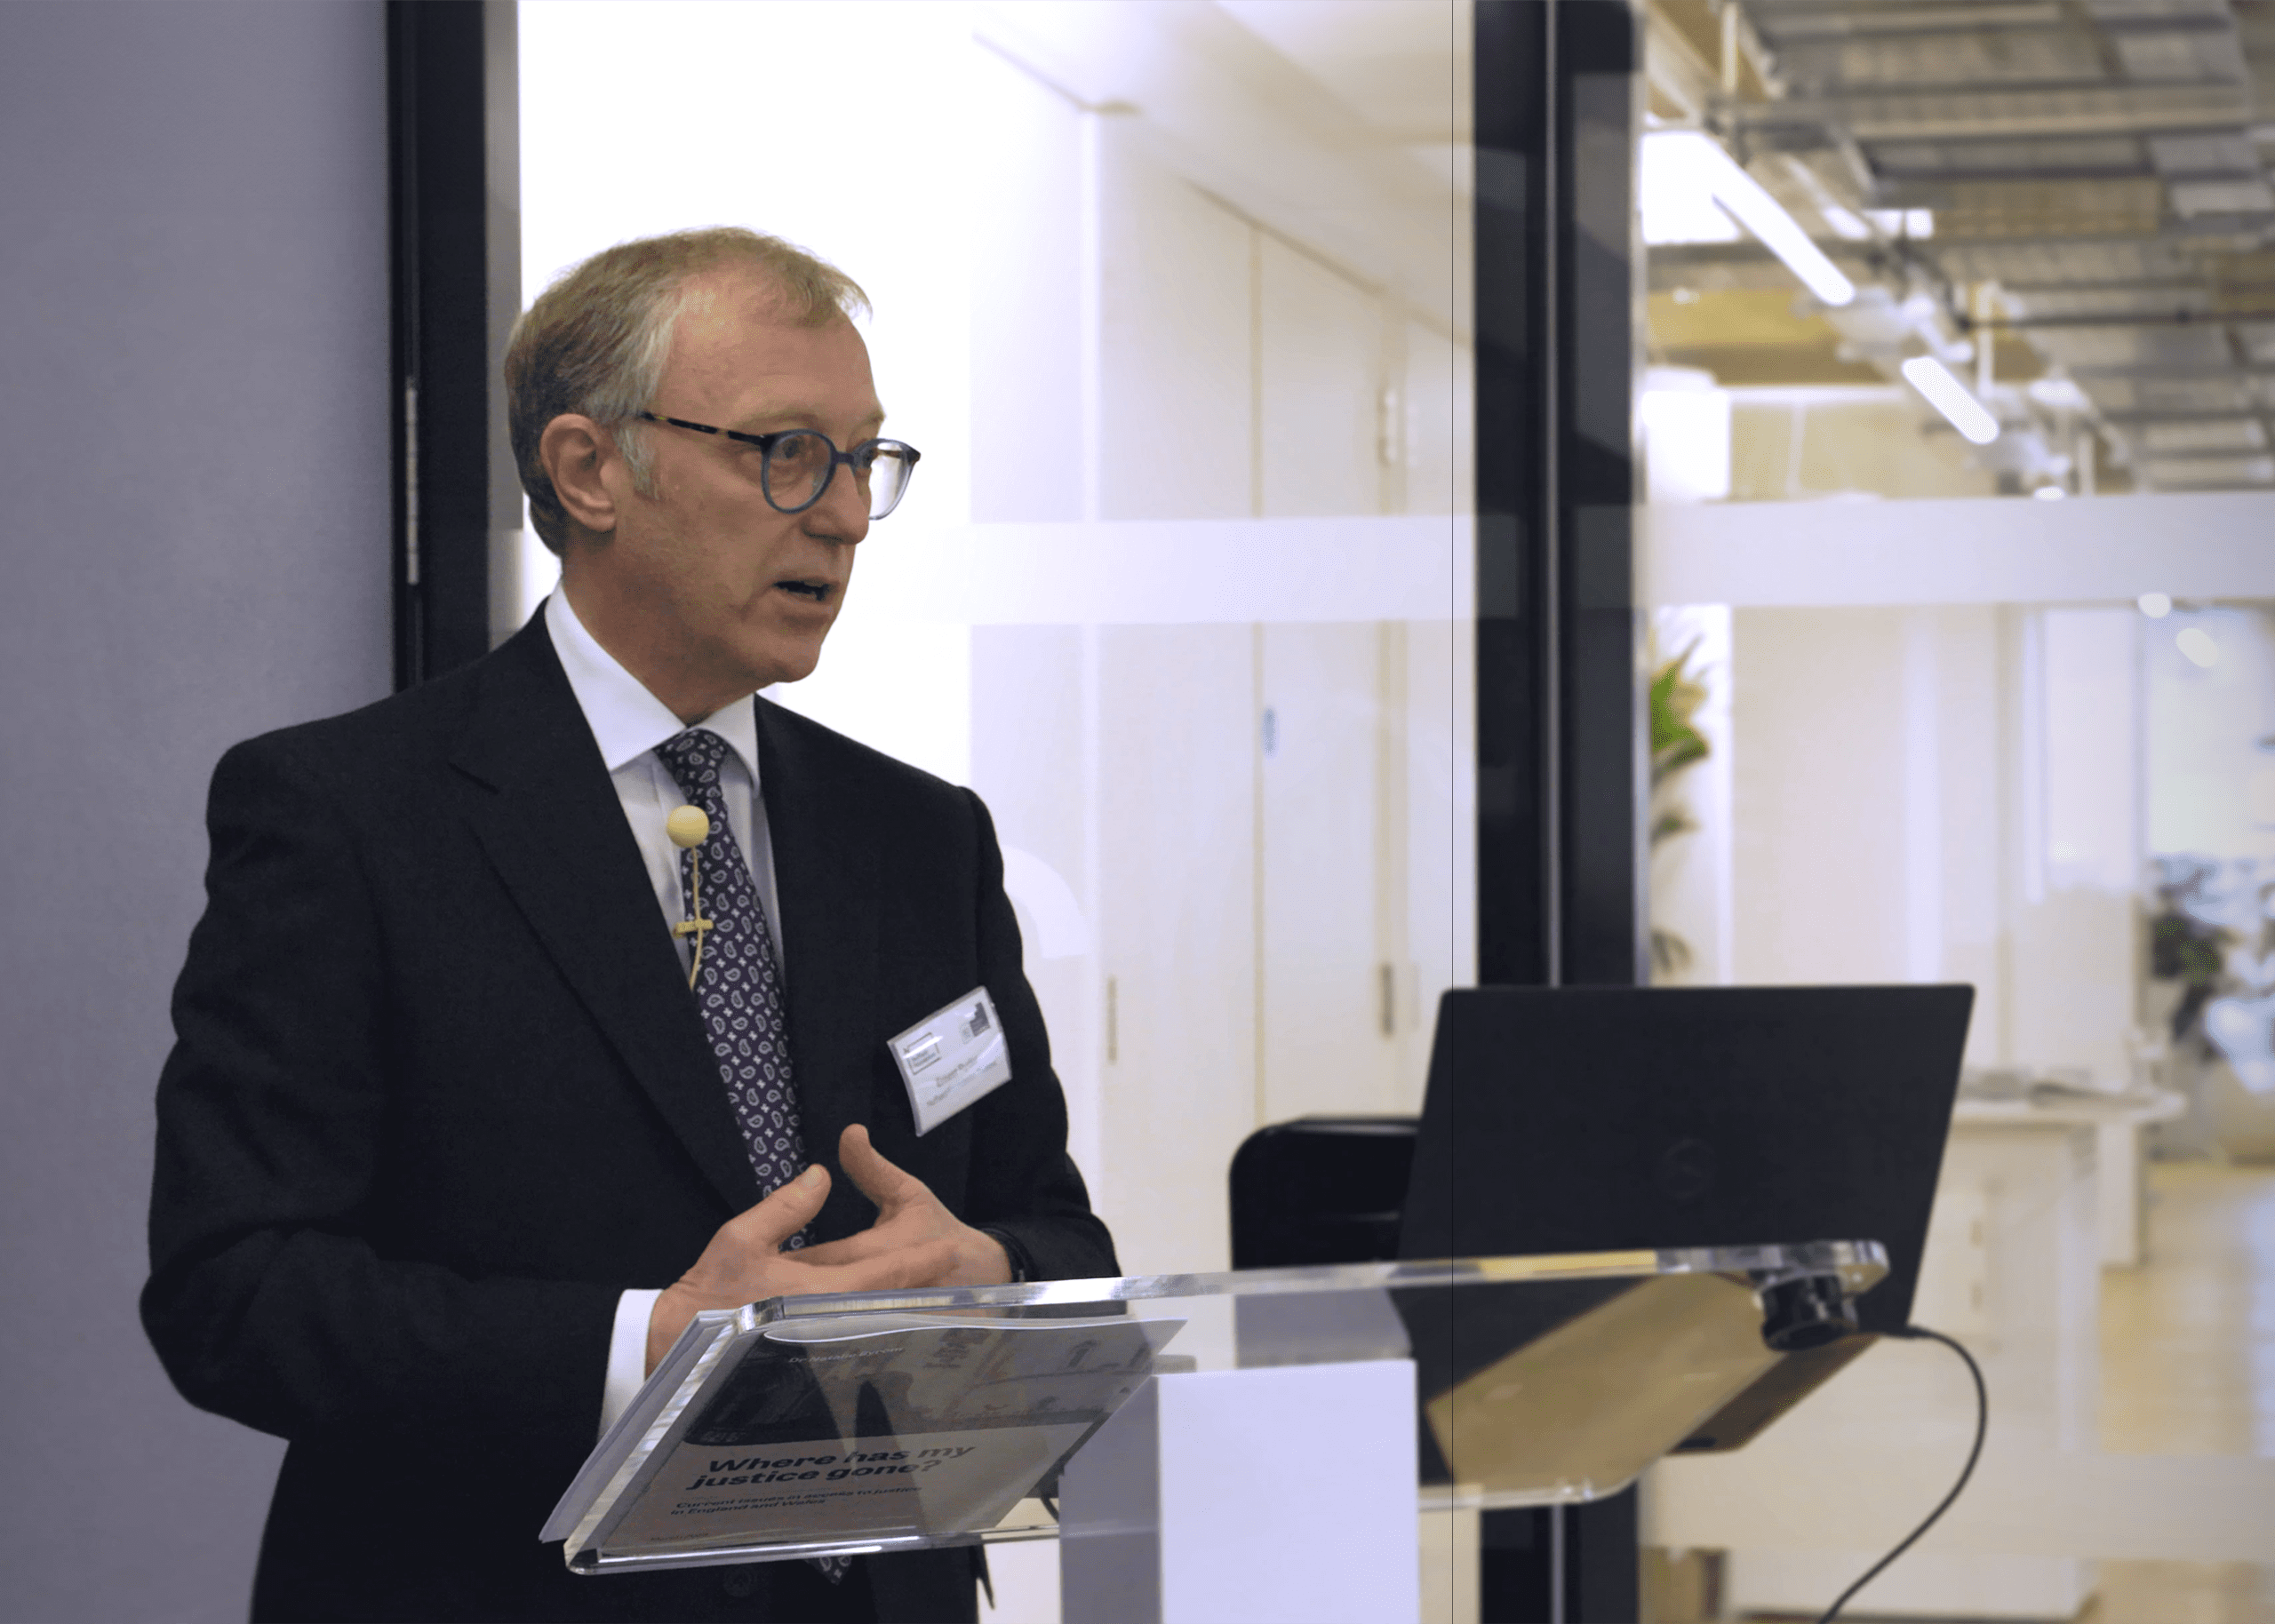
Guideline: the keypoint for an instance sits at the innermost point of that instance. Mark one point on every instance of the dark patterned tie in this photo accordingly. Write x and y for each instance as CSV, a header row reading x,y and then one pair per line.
x,y
738,985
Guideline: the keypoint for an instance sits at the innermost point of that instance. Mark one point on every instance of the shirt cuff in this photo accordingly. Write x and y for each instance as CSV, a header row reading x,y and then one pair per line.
x,y
627,1355
1015,1253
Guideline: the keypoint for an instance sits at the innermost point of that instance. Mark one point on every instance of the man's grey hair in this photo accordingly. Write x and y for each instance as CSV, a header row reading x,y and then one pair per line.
x,y
595,342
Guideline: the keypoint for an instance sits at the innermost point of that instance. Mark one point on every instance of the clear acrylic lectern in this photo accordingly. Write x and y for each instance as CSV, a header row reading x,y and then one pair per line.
x,y
1128,1415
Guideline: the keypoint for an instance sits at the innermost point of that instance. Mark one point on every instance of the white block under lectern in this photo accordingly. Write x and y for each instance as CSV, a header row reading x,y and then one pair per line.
x,y
1282,1495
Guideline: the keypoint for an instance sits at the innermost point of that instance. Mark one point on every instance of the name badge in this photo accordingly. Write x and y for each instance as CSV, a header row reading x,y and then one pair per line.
x,y
950,1058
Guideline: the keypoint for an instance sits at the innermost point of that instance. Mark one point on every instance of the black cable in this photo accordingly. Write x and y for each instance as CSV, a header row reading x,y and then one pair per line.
x,y
1982,1425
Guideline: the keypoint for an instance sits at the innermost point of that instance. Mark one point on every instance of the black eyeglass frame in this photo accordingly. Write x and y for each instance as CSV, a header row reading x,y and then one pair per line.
x,y
854,459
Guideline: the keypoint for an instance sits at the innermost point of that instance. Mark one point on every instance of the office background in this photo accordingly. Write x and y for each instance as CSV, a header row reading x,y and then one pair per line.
x,y
1942,750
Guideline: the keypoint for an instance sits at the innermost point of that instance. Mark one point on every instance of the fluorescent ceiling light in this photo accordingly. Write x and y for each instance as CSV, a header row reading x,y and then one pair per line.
x,y
1949,397
1845,225
1684,168
1918,224
2155,605
2197,644
1675,207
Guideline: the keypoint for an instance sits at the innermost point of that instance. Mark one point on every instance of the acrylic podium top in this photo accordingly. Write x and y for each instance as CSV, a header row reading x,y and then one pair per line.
x,y
899,1420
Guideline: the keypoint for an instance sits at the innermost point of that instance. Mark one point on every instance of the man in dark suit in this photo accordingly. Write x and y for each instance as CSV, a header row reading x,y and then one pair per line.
x,y
461,1131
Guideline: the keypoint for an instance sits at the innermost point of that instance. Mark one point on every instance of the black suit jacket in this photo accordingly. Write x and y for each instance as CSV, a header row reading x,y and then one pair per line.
x,y
440,1094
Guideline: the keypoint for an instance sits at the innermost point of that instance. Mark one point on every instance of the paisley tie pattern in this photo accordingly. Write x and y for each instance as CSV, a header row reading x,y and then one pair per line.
x,y
738,986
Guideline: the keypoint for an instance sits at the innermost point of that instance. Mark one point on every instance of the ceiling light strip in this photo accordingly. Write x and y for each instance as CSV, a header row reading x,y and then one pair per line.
x,y
1949,397
1695,159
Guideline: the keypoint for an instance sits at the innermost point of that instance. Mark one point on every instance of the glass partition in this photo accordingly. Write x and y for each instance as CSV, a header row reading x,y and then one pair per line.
x,y
1905,727
1173,297
1955,415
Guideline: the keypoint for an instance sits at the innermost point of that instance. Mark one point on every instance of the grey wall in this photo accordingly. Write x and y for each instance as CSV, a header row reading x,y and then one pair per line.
x,y
193,529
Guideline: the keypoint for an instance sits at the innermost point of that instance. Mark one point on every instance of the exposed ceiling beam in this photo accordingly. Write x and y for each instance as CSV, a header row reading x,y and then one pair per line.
x,y
2120,284
2043,84
1995,13
1673,67
2122,420
2041,114
2129,109
1993,137
2167,372
2139,318
2040,174
2242,454
1979,254
1781,25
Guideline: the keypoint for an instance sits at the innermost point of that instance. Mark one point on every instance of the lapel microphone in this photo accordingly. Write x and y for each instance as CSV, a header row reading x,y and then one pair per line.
x,y
688,827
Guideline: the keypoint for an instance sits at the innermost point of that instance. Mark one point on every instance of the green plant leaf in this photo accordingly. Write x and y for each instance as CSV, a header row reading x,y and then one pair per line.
x,y
1675,697
1671,822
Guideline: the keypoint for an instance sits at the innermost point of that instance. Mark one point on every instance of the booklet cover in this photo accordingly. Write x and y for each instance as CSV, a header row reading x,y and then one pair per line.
x,y
848,1429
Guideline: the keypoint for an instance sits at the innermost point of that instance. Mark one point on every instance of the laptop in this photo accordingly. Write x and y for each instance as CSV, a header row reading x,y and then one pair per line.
x,y
1601,1118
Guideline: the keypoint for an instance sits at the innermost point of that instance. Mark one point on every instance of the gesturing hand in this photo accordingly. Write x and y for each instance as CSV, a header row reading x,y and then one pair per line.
x,y
744,1261
910,1222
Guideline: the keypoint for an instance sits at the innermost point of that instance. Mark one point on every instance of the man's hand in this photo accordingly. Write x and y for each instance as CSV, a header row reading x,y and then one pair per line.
x,y
745,1260
910,1222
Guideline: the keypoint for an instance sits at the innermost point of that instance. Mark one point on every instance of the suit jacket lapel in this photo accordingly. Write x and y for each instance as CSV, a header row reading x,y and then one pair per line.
x,y
555,830
825,875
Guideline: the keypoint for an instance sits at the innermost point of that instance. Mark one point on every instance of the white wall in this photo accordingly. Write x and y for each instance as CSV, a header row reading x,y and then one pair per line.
x,y
2201,546
2025,784
1440,436
1320,386
1944,794
1177,343
1261,888
194,442
1175,792
1955,687
1817,799
1797,444
2212,784
1033,314
2075,963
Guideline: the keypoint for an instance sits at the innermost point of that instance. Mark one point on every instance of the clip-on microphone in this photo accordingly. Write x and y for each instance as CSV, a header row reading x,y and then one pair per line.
x,y
689,828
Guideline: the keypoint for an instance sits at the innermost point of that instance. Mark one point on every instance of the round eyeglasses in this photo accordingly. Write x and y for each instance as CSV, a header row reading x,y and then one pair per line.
x,y
797,465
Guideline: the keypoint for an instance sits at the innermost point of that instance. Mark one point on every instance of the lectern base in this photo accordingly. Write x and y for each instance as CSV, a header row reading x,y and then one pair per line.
x,y
1274,1496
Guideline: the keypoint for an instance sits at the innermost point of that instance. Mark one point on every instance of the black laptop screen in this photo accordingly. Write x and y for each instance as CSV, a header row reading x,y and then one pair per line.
x,y
1590,1120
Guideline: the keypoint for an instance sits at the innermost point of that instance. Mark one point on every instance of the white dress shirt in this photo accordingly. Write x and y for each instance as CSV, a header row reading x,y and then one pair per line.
x,y
629,723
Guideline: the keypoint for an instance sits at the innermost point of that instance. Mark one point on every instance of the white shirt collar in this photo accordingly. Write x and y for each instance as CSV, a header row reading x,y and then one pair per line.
x,y
628,721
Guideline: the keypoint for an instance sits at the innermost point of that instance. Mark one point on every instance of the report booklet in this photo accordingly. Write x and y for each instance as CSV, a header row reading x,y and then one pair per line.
x,y
761,1436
